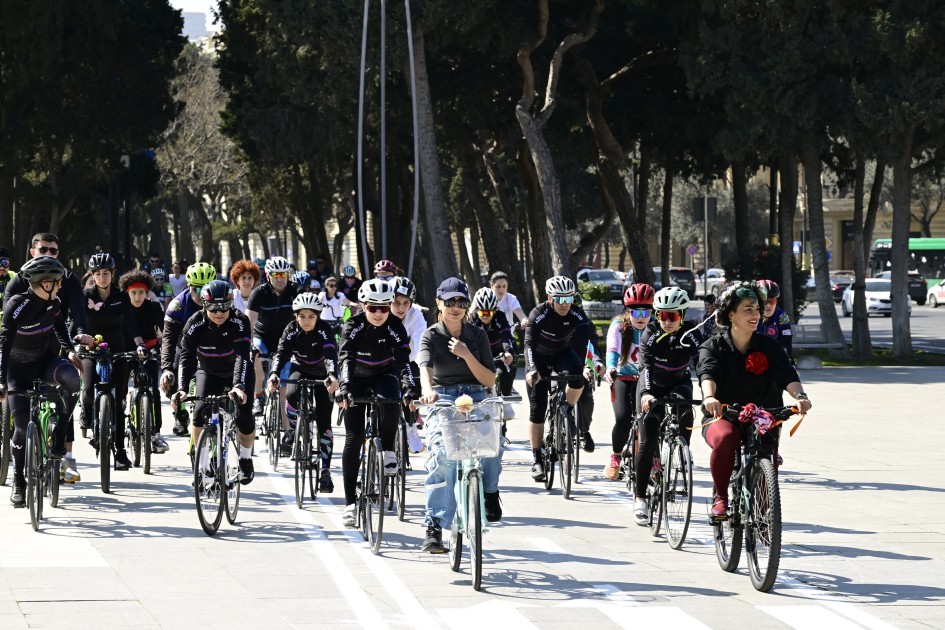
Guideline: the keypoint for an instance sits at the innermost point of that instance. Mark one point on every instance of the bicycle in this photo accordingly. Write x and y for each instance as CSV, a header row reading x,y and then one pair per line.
x,y
675,474
754,510
42,469
141,413
559,442
398,482
372,481
469,436
6,434
307,457
579,424
272,420
217,472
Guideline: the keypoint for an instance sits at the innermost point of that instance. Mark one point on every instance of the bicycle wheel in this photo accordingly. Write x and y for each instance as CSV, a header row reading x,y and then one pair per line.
x,y
133,435
6,433
654,496
106,407
207,482
375,494
313,455
231,478
273,429
728,536
34,475
145,428
677,493
550,453
301,458
578,445
400,479
763,526
474,510
629,460
51,468
566,453
456,542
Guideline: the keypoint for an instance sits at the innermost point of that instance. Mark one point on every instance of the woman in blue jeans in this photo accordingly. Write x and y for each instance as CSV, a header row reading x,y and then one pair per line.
x,y
455,359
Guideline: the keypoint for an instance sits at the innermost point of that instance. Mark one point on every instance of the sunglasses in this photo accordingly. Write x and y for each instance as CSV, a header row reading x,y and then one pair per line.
x,y
772,301
4,262
377,308
331,286
279,274
218,307
52,251
669,316
486,313
456,303
640,312
563,299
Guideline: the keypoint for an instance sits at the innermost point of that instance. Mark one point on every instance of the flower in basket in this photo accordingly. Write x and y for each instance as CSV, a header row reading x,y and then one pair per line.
x,y
762,419
464,403
756,363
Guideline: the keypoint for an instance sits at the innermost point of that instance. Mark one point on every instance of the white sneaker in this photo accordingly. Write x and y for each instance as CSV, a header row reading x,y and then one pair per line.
x,y
390,463
68,471
158,444
414,443
640,515
350,516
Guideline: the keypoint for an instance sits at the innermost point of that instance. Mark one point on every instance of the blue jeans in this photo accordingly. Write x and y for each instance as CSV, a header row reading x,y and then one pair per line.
x,y
441,472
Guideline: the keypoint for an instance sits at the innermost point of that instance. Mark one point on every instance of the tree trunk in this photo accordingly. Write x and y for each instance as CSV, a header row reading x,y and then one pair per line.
x,y
742,226
810,154
501,242
643,192
788,202
185,242
345,220
541,267
667,221
310,216
6,213
902,195
862,344
465,264
441,256
590,240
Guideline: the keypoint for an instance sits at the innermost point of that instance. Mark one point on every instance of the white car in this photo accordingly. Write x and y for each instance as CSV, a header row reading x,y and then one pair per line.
x,y
878,298
716,282
936,295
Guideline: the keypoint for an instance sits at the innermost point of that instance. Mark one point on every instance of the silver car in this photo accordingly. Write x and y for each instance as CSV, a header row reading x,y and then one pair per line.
x,y
878,298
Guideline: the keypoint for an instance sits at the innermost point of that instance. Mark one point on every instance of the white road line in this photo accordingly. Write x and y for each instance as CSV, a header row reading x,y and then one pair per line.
x,y
856,614
803,617
490,614
832,602
545,545
614,594
411,606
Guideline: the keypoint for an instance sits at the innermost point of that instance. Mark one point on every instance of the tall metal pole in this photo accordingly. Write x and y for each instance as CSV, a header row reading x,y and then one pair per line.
x,y
416,142
705,236
366,268
773,209
383,78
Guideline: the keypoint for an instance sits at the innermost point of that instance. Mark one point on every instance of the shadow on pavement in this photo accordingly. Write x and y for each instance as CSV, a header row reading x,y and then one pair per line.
x,y
864,592
835,551
880,375
551,587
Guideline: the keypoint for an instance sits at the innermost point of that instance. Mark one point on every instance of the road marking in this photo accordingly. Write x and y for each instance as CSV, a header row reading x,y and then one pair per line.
x,y
625,611
543,544
489,614
830,601
614,594
809,617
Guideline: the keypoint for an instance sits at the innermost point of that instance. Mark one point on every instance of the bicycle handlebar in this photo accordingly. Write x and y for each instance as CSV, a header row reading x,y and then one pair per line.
x,y
374,399
780,413
676,401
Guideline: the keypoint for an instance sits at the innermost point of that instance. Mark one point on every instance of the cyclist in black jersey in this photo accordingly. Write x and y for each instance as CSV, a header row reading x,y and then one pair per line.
x,y
668,347
26,353
309,344
270,310
486,315
215,352
374,355
5,274
552,332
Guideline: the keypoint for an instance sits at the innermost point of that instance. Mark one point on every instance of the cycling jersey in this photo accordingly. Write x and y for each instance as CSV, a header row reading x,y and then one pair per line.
x,y
312,353
665,357
778,327
614,347
179,311
367,350
334,309
221,351
350,291
70,294
28,321
112,318
274,311
499,332
414,323
548,334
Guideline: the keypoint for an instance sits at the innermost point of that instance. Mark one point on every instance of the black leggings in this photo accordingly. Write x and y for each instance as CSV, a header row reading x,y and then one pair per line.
x,y
650,427
120,371
623,396
52,369
386,385
506,376
213,385
322,414
567,361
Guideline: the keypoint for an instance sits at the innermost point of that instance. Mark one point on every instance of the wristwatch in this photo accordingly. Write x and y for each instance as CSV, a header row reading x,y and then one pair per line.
x,y
802,396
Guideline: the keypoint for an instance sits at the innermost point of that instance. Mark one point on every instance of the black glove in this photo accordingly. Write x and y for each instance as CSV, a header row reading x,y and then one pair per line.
x,y
341,394
411,393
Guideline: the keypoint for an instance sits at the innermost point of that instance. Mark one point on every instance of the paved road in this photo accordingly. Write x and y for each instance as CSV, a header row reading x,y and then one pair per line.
x,y
864,505
927,325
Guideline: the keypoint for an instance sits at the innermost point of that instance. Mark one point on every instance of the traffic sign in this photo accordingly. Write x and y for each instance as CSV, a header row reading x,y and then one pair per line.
x,y
692,249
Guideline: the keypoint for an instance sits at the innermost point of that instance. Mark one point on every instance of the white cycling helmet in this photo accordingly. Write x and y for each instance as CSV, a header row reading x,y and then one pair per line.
x,y
485,300
308,300
348,271
376,291
277,263
403,286
671,299
559,286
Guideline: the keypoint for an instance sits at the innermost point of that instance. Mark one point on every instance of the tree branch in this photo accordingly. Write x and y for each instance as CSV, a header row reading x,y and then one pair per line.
x,y
649,58
524,58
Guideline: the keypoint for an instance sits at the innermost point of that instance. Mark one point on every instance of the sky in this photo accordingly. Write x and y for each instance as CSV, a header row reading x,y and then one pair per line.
x,y
197,6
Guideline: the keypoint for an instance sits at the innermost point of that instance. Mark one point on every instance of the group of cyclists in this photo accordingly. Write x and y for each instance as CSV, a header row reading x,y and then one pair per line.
x,y
256,332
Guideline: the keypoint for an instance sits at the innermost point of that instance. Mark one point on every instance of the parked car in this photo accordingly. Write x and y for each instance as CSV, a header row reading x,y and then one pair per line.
x,y
678,277
918,288
878,298
838,284
603,276
936,294
715,285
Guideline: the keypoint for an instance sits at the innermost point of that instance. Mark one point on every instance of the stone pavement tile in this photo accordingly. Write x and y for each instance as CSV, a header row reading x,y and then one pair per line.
x,y
312,610
562,615
301,586
214,608
170,583
13,621
43,584
85,614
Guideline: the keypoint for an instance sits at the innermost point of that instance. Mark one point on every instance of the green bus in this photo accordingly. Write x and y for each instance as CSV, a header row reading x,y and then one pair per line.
x,y
927,256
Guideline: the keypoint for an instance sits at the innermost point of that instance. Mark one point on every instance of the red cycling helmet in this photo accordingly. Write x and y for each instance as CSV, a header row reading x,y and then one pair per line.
x,y
386,266
771,288
639,295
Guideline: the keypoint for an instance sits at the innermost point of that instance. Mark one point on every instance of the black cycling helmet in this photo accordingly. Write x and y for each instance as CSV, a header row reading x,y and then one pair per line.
x,y
102,260
42,268
217,296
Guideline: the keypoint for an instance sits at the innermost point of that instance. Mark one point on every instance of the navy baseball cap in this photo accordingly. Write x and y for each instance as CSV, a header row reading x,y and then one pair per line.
x,y
452,288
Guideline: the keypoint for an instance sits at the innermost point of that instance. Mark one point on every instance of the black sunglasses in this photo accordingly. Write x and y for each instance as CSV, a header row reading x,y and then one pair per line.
x,y
52,251
4,262
456,302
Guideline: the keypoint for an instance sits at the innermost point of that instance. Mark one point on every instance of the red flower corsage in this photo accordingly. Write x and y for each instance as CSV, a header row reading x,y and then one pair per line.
x,y
756,363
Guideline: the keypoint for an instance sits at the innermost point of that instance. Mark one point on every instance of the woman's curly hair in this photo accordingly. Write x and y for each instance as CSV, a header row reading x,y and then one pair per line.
x,y
733,296
244,266
136,276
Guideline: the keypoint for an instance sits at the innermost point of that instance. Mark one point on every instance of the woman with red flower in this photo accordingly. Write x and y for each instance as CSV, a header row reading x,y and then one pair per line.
x,y
740,366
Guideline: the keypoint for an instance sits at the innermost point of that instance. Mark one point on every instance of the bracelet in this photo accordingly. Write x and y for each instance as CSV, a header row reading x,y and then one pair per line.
x,y
801,396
